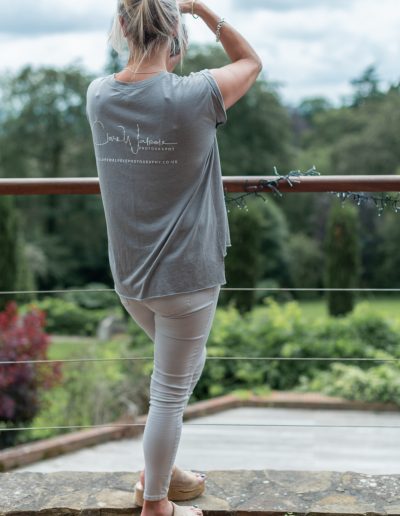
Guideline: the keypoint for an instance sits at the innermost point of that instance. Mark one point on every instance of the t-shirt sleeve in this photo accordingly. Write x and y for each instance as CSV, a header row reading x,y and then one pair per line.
x,y
89,94
216,101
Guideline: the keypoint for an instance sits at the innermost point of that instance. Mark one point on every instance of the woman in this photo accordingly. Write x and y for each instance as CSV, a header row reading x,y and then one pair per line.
x,y
154,136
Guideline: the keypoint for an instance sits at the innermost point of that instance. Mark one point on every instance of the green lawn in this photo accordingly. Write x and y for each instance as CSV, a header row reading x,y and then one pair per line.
x,y
387,305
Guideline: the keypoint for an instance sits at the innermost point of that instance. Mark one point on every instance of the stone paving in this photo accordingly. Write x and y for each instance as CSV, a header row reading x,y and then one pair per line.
x,y
236,493
311,470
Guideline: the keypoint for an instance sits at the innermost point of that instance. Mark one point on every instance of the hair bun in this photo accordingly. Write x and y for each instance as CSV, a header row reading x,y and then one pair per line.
x,y
146,26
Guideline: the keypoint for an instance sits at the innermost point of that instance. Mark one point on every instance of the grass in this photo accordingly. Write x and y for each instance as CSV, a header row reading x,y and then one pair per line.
x,y
388,306
65,346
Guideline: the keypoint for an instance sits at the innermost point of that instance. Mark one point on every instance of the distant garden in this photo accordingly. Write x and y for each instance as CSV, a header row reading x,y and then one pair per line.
x,y
97,392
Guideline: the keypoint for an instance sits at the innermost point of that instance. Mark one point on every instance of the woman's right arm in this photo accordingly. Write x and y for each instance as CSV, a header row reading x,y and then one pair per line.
x,y
234,80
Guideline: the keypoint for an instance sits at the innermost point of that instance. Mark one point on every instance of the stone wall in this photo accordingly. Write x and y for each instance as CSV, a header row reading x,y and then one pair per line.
x,y
238,492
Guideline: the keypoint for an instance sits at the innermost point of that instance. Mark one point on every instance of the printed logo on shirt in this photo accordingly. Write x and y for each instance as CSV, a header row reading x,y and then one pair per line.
x,y
135,144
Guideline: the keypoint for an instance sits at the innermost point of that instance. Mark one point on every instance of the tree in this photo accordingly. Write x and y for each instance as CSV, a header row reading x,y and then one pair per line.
x,y
309,107
347,140
342,257
243,263
366,86
386,244
10,249
306,264
15,270
46,109
374,148
113,64
274,237
259,255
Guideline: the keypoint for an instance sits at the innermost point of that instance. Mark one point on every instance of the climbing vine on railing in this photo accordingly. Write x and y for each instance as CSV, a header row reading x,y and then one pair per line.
x,y
239,201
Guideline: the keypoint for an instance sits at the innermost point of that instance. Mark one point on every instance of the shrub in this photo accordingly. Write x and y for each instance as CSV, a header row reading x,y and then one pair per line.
x,y
306,264
93,300
68,318
374,330
378,383
276,330
343,257
23,338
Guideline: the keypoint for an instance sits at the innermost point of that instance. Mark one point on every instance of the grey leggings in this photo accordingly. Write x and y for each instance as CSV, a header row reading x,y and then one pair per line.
x,y
179,326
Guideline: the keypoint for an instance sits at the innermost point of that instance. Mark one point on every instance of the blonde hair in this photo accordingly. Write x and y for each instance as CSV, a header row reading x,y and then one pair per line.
x,y
148,25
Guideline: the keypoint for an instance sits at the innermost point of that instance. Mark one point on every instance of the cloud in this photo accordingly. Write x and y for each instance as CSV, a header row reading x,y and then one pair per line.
x,y
312,47
55,50
287,5
23,18
318,51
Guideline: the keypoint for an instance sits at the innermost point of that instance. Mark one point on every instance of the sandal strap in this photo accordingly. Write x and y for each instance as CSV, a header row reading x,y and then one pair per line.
x,y
180,510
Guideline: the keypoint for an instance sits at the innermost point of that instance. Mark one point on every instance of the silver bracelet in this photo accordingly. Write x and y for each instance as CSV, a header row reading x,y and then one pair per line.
x,y
218,33
194,15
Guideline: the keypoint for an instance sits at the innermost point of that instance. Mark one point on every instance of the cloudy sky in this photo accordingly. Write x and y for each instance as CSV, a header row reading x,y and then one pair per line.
x,y
308,47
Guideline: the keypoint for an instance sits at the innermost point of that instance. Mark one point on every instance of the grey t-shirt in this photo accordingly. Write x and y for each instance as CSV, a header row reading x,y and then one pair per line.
x,y
160,178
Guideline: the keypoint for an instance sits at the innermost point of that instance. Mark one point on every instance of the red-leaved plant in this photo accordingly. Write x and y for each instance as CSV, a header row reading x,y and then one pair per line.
x,y
22,337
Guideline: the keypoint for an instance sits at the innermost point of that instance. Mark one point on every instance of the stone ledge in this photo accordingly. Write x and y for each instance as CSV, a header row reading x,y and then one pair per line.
x,y
235,492
285,399
29,453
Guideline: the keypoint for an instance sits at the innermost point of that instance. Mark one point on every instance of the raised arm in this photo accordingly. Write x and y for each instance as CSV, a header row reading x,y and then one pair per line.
x,y
235,79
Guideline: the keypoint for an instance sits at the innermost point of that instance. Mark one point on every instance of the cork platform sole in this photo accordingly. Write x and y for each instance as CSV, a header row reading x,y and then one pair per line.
x,y
182,487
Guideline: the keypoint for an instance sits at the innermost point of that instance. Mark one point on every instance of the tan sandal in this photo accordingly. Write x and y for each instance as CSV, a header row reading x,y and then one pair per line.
x,y
183,510
184,486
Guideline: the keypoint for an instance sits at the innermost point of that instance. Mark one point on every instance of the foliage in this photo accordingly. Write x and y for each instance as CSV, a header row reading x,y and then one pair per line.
x,y
92,392
23,338
45,108
306,264
8,246
384,240
309,107
113,64
276,330
15,270
259,255
342,257
361,138
68,318
92,300
379,383
373,148
243,264
98,392
274,236
366,86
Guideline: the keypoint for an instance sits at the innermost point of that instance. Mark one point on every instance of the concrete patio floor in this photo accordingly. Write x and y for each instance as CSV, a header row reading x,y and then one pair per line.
x,y
204,446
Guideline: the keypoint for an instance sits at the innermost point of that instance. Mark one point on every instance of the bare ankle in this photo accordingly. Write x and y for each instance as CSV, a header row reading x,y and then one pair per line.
x,y
156,502
156,506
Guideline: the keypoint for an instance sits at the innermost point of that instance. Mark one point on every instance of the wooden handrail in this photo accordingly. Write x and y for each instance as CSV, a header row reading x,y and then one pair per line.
x,y
232,184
